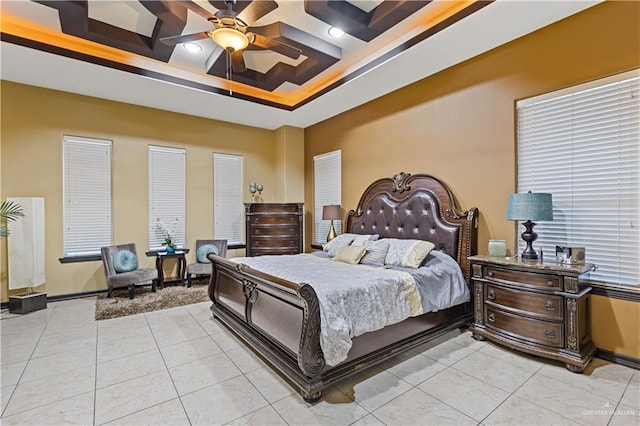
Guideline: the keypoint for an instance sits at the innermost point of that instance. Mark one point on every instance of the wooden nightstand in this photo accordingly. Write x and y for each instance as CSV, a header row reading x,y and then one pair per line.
x,y
538,308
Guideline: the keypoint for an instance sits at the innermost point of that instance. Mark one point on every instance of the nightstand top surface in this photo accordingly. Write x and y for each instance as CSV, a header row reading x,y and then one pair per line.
x,y
515,261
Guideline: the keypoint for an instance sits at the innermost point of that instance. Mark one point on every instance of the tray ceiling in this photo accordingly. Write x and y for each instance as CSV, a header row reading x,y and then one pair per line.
x,y
118,50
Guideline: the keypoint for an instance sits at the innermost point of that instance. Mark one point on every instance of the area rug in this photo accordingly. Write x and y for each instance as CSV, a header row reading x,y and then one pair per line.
x,y
119,304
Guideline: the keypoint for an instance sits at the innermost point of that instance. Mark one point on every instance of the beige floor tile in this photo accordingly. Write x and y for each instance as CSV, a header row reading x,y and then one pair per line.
x,y
417,408
334,408
10,373
198,374
566,400
448,353
227,340
211,325
517,411
169,413
137,394
412,367
5,395
515,357
182,353
631,397
54,346
600,377
200,311
466,394
122,328
77,410
128,367
496,371
121,348
187,329
245,359
18,350
625,416
264,416
368,420
373,388
38,368
223,402
36,393
270,384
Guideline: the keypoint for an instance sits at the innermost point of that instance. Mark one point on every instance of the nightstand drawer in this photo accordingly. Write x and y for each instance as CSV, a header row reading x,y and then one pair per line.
x,y
547,281
536,305
537,331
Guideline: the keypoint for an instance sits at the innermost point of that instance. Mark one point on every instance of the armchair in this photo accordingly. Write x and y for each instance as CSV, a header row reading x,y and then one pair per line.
x,y
202,265
132,276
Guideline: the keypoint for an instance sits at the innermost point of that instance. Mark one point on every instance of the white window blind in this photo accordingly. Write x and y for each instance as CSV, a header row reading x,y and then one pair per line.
x,y
227,197
167,183
327,186
87,201
582,146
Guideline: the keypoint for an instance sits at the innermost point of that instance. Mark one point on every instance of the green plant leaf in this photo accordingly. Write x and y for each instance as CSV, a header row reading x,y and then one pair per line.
x,y
9,211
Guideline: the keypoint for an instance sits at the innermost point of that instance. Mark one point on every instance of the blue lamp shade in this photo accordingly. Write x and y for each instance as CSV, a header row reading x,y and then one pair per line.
x,y
530,206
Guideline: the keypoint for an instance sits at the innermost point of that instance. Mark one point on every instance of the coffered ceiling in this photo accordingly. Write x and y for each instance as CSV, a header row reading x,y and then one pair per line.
x,y
133,51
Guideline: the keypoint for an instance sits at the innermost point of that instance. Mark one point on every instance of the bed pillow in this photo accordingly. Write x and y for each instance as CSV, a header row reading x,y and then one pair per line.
x,y
350,254
360,240
205,249
125,261
334,246
376,252
407,253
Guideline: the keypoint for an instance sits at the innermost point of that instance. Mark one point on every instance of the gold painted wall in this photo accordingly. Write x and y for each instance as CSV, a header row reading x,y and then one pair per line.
x,y
33,123
458,124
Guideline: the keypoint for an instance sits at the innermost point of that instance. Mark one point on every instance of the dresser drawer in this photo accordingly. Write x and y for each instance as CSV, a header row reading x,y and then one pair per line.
x,y
274,251
274,220
548,281
530,304
275,243
276,230
537,331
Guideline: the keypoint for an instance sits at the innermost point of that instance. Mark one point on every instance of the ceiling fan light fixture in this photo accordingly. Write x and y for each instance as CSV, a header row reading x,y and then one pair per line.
x,y
230,39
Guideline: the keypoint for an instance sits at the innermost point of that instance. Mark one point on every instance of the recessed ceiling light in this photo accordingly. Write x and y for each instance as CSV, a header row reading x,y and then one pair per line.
x,y
192,47
336,32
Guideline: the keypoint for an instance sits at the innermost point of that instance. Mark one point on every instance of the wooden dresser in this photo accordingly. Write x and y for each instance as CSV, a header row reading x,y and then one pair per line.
x,y
538,308
273,228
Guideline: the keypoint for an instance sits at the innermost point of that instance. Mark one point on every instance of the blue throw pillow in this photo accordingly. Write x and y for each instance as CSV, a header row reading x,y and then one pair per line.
x,y
204,250
125,261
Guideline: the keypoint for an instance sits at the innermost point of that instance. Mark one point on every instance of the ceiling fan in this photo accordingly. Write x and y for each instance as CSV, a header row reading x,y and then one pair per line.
x,y
232,33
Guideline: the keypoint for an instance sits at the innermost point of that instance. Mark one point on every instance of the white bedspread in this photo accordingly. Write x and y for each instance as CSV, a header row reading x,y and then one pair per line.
x,y
353,299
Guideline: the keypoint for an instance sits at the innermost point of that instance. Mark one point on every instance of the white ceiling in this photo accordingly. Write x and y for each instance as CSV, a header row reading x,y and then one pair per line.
x,y
492,26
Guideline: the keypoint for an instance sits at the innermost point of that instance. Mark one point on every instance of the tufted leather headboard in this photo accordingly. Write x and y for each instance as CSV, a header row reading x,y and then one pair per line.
x,y
418,207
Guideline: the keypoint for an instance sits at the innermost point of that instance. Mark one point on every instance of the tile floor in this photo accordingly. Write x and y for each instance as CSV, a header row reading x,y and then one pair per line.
x,y
179,367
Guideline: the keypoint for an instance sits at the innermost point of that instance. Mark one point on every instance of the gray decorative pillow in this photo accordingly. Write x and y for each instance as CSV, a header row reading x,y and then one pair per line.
x,y
339,242
376,252
359,240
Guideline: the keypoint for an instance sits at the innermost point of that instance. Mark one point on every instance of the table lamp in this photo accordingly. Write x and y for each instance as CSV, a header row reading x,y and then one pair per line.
x,y
528,207
331,212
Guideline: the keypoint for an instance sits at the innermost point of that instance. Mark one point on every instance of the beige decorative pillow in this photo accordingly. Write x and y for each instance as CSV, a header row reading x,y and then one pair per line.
x,y
350,254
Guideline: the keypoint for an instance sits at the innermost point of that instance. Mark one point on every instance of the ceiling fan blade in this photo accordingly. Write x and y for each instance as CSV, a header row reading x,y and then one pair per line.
x,y
194,7
276,46
237,62
256,10
173,40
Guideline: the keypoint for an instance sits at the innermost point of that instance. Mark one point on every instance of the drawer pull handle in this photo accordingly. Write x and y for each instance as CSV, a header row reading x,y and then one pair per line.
x,y
257,231
550,334
490,273
549,283
492,318
491,295
549,306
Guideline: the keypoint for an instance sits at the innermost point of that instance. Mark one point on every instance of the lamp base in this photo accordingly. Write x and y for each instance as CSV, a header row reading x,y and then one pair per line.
x,y
332,233
529,237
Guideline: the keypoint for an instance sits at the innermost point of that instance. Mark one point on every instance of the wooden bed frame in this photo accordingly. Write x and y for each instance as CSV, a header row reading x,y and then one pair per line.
x,y
281,319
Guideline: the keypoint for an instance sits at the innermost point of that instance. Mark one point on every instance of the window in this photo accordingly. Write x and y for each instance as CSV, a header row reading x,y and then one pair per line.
x,y
87,211
227,198
582,146
327,187
167,182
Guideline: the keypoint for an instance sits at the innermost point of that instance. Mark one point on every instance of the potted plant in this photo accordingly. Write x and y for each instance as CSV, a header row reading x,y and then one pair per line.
x,y
9,211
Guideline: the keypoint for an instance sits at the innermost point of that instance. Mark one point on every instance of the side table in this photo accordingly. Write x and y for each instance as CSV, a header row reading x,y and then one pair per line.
x,y
179,255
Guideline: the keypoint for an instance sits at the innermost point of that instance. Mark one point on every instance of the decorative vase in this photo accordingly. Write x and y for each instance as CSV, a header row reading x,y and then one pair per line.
x,y
169,249
497,248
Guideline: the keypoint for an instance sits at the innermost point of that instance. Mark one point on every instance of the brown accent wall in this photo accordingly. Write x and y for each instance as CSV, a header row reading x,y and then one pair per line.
x,y
458,124
34,121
